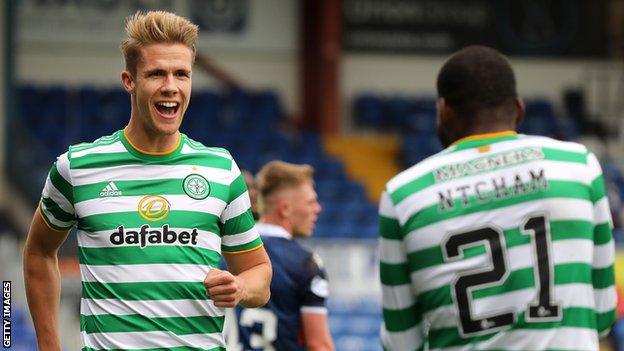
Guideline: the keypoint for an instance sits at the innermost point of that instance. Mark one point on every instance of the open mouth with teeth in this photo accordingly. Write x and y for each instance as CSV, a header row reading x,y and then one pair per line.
x,y
167,109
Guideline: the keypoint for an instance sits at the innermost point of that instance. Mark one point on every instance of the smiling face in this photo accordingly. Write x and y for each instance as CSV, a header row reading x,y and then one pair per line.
x,y
160,89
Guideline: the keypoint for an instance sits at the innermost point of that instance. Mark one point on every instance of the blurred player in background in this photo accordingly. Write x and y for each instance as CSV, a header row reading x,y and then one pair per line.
x,y
501,241
154,210
295,318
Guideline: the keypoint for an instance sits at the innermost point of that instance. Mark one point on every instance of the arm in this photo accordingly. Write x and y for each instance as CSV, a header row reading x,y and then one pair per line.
x,y
247,282
604,251
42,278
401,328
316,331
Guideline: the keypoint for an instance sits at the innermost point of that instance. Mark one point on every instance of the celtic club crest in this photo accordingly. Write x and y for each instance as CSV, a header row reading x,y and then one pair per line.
x,y
196,186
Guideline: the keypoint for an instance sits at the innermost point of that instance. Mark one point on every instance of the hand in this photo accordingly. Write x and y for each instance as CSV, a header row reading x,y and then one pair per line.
x,y
224,288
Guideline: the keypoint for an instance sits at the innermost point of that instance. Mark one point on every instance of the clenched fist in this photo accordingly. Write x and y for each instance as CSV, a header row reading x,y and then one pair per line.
x,y
224,288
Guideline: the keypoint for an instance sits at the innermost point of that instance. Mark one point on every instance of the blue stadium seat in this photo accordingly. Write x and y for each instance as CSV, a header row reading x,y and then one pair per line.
x,y
368,110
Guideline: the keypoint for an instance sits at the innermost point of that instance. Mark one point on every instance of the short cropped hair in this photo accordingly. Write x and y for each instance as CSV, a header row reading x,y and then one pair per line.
x,y
278,175
477,78
144,28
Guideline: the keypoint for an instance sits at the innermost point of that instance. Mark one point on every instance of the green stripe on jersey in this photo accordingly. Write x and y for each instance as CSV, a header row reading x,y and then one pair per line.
x,y
239,224
145,290
165,186
61,184
403,319
115,159
108,323
598,189
389,228
178,348
560,230
394,273
56,210
565,156
556,189
238,187
602,234
241,248
568,273
151,254
572,317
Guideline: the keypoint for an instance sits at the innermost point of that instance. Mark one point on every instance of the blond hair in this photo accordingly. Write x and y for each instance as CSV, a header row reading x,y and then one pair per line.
x,y
144,28
278,175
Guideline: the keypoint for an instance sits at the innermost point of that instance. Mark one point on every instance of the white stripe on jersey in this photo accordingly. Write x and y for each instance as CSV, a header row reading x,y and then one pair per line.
x,y
62,166
150,308
240,239
536,339
385,206
392,251
568,295
397,297
604,255
205,239
186,149
148,340
49,190
606,299
237,207
602,212
116,147
144,273
409,339
506,217
142,172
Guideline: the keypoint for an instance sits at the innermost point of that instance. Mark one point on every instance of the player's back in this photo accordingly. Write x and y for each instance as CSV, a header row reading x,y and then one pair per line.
x,y
506,238
278,323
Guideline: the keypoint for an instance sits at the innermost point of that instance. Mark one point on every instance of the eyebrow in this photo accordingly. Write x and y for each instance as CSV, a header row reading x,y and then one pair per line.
x,y
160,70
152,71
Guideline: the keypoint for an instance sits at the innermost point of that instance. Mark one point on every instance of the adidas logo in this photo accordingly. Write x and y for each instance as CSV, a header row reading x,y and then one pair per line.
x,y
110,190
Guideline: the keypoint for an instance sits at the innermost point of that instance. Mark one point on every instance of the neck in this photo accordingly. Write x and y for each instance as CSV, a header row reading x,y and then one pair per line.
x,y
276,220
145,141
480,128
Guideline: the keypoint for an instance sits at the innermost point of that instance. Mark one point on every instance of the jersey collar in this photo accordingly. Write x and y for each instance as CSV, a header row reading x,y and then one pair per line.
x,y
274,230
477,140
146,155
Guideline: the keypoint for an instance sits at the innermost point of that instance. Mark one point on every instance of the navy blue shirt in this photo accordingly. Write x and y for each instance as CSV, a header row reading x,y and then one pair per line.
x,y
299,285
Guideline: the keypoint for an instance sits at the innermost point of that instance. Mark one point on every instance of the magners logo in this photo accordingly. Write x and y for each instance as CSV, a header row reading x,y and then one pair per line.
x,y
154,207
147,235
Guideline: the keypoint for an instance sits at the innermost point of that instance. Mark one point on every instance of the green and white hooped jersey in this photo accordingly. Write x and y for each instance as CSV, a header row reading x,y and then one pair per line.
x,y
499,242
149,228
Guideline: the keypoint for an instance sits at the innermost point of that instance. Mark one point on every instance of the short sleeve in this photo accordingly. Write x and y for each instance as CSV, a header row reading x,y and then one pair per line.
x,y
315,287
238,231
57,197
603,272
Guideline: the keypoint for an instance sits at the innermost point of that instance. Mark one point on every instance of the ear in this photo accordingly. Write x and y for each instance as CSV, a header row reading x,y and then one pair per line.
x,y
520,109
283,207
127,81
441,109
